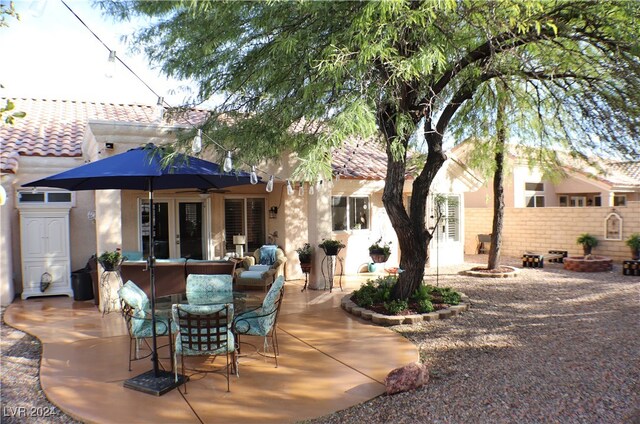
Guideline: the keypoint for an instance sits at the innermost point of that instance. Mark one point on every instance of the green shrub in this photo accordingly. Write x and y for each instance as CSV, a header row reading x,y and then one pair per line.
x,y
422,293
374,291
396,306
425,306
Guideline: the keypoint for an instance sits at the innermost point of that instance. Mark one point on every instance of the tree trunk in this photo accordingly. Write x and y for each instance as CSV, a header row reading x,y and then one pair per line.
x,y
498,189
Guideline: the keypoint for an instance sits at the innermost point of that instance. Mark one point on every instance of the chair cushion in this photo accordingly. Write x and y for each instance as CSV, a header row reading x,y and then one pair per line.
x,y
201,287
203,310
268,254
132,255
254,323
260,268
134,297
253,275
142,327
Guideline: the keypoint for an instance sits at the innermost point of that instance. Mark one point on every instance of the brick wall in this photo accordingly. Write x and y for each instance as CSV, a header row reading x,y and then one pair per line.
x,y
543,229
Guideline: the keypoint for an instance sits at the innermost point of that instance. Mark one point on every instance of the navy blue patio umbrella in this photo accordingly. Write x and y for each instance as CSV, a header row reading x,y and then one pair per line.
x,y
143,168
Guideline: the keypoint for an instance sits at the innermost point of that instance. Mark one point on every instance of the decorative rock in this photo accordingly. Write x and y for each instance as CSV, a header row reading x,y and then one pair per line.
x,y
357,311
366,314
392,319
431,316
406,378
377,318
444,314
412,319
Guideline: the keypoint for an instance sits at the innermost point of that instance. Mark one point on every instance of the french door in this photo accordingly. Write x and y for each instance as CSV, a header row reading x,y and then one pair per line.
x,y
179,228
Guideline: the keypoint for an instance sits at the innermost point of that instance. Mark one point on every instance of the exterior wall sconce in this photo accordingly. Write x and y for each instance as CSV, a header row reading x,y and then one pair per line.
x,y
273,212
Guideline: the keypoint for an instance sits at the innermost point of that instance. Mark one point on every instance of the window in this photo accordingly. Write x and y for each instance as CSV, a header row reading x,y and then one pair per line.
x,y
349,213
534,186
563,201
533,197
619,200
444,210
535,201
46,197
597,201
578,201
246,217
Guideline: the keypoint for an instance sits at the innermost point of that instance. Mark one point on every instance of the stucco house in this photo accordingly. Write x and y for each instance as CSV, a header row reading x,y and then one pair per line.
x,y
57,135
581,183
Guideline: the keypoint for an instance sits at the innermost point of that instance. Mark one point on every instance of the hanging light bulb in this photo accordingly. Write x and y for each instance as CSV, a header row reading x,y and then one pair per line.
x,y
110,69
337,177
319,185
196,144
228,163
270,184
3,195
253,177
289,188
160,108
311,190
301,189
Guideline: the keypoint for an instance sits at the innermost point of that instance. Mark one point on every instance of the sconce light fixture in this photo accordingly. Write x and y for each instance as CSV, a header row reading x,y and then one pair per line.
x,y
273,212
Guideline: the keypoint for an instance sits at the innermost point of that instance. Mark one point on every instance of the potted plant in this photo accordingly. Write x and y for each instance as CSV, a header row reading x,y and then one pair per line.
x,y
634,243
331,247
588,242
110,260
304,253
380,251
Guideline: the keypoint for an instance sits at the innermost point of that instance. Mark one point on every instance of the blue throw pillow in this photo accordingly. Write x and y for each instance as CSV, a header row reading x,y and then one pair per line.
x,y
268,254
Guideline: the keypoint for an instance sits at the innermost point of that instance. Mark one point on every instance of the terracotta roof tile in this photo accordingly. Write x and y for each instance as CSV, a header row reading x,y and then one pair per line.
x,y
56,127
360,159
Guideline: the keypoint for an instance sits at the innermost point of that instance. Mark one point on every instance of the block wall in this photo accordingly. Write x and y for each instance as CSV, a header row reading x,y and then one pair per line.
x,y
543,229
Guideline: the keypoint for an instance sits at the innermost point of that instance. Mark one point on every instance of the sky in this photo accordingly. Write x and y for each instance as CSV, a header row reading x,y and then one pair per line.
x,y
53,56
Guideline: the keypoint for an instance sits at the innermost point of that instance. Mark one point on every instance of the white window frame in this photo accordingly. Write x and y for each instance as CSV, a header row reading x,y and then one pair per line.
x,y
535,198
46,203
619,229
578,199
348,212
566,200
444,226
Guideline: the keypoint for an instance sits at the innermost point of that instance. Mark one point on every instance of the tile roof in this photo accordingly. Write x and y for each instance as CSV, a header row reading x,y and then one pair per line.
x,y
360,159
56,127
628,169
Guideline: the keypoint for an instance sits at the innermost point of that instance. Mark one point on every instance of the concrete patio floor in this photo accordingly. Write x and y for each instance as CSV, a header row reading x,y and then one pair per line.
x,y
329,360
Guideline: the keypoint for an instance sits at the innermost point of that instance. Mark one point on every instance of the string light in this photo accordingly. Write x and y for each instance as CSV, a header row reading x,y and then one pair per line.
x,y
319,185
253,177
311,190
228,163
289,188
160,108
301,189
196,144
197,140
110,68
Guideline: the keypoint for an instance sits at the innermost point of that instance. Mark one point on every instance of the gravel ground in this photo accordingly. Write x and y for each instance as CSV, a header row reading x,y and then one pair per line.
x,y
547,346
550,346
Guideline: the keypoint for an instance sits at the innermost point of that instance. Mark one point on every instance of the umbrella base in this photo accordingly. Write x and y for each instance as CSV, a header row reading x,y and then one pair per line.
x,y
151,384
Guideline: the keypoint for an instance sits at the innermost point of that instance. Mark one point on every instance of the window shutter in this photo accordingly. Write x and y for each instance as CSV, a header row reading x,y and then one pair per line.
x,y
256,233
233,221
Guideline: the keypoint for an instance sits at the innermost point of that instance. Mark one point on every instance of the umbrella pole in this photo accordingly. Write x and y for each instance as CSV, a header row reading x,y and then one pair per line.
x,y
154,382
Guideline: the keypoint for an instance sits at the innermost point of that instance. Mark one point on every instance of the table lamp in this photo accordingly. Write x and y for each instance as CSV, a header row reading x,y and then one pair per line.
x,y
239,241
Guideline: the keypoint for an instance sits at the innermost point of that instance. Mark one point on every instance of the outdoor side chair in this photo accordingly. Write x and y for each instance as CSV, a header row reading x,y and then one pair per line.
x,y
201,287
137,314
204,330
263,321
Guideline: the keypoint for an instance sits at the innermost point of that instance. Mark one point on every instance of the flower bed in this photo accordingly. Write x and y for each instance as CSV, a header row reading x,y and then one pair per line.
x,y
588,264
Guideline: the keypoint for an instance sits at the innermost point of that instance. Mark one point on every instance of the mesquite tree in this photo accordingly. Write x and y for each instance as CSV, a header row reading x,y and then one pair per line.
x,y
304,75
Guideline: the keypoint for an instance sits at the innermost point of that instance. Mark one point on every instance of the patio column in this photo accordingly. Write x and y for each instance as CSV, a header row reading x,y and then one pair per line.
x,y
319,216
108,237
7,289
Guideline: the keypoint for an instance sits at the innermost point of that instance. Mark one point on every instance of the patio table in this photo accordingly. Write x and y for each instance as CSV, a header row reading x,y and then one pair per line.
x,y
242,301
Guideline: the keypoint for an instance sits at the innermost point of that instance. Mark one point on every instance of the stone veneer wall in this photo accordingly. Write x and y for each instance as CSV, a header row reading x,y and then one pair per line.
x,y
543,229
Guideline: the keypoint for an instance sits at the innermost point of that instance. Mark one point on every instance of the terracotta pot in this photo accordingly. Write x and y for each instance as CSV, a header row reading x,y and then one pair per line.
x,y
587,249
378,258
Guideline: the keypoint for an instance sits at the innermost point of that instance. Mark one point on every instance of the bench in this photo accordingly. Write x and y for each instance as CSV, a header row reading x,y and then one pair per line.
x,y
536,260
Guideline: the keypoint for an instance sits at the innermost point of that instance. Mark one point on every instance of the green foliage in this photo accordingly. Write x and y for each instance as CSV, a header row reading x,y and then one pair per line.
x,y
396,306
374,291
111,258
425,306
422,293
5,11
328,244
587,239
446,294
304,76
380,247
633,241
304,253
10,118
